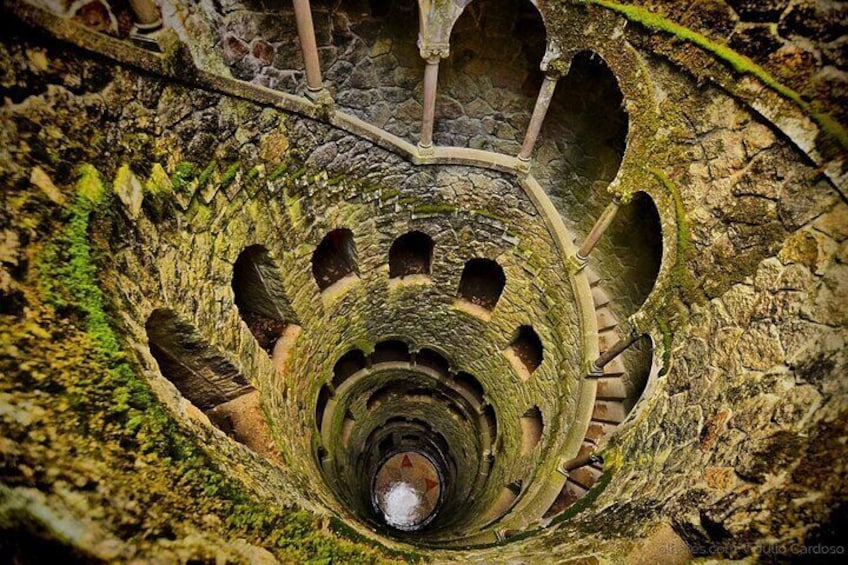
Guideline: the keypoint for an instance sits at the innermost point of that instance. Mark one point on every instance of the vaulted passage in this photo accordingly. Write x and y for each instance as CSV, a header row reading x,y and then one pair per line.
x,y
334,259
482,282
260,297
411,254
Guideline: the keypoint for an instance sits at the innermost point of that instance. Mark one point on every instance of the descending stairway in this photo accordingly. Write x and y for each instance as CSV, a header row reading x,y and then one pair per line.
x,y
611,403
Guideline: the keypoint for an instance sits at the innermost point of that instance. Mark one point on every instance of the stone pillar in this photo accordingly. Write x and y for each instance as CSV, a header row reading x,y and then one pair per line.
x,y
543,102
598,230
610,354
308,45
431,80
147,16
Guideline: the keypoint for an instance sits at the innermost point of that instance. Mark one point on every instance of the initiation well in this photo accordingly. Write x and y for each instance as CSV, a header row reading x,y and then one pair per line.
x,y
468,281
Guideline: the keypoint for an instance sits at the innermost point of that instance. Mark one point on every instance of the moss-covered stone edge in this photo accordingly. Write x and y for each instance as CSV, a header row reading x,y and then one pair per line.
x,y
738,62
67,279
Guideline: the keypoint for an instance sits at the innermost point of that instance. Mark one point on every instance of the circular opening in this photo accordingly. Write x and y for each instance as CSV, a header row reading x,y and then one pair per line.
x,y
406,490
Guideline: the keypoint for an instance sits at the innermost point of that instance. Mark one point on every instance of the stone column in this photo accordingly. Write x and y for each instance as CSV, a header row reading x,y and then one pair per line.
x,y
147,15
543,102
598,230
308,45
610,354
431,80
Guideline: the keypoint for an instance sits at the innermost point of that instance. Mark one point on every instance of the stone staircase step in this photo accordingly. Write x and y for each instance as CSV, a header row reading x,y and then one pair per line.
x,y
607,339
575,490
600,297
611,388
598,430
585,476
586,449
609,411
615,368
606,319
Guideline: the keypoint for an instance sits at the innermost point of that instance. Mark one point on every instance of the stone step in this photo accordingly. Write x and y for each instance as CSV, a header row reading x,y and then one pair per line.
x,y
598,430
609,411
606,319
615,368
585,476
608,338
573,492
611,388
600,297
594,279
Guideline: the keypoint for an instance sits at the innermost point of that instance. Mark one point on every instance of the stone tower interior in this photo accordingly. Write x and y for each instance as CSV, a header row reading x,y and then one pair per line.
x,y
366,281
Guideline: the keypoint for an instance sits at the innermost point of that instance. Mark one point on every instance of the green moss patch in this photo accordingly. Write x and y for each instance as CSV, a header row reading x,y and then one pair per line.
x,y
738,62
99,430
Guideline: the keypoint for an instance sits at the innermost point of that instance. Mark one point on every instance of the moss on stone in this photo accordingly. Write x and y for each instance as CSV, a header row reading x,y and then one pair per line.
x,y
230,174
388,194
112,402
90,186
207,173
184,173
490,215
278,172
738,62
158,183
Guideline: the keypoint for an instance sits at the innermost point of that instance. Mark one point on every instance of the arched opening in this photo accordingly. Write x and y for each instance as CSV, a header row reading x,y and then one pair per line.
x,y
208,381
432,359
260,296
525,352
471,385
488,85
586,128
532,427
391,351
334,258
347,428
347,365
482,283
637,232
321,405
321,456
587,112
410,254
507,497
372,60
490,422
201,374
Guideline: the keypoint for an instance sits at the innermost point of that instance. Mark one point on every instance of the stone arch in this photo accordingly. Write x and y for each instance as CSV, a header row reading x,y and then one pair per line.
x,y
334,259
392,350
261,297
532,428
203,375
501,43
637,229
411,254
208,381
589,126
433,359
323,399
437,21
525,351
482,283
348,364
471,384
